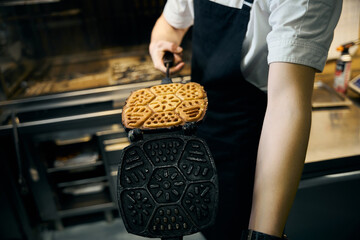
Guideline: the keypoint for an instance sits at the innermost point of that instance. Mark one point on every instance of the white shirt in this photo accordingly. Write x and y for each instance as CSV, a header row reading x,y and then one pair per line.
x,y
294,31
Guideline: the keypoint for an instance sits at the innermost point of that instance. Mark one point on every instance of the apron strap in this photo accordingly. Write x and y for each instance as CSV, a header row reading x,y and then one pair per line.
x,y
248,3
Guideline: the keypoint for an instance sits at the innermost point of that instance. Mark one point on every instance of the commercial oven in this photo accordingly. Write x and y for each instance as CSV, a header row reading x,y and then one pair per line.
x,y
66,68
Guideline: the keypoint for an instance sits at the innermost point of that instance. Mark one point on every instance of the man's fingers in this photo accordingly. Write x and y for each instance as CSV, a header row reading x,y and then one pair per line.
x,y
173,69
177,58
160,66
177,67
157,51
168,46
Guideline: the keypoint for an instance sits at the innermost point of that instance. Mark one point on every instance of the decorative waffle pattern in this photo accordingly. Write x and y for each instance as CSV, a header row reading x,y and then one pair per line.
x,y
163,152
166,88
165,106
167,186
136,169
140,97
164,103
191,91
136,115
162,119
169,220
194,163
196,201
192,109
139,206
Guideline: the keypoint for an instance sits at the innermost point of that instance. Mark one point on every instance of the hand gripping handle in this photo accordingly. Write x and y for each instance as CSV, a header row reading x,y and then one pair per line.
x,y
168,60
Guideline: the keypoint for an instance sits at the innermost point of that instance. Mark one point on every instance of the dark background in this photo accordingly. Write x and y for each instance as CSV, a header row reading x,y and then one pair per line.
x,y
73,26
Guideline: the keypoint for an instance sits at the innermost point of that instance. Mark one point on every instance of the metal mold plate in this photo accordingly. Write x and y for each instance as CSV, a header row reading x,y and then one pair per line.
x,y
167,186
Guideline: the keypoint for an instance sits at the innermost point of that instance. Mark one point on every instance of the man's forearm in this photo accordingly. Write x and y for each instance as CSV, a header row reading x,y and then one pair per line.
x,y
163,31
165,37
282,146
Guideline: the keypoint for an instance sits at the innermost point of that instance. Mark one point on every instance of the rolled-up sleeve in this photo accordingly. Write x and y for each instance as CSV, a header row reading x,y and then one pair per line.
x,y
302,30
179,13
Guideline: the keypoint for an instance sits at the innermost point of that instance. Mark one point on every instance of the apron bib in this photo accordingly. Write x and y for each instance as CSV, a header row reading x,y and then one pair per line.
x,y
236,109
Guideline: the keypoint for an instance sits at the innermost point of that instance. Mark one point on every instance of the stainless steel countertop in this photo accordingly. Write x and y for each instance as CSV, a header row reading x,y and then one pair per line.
x,y
335,133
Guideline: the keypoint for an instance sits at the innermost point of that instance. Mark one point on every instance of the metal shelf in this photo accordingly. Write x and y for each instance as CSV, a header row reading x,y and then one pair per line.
x,y
82,181
87,165
85,204
86,210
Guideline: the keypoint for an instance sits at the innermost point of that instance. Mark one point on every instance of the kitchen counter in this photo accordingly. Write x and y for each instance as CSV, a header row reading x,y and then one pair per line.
x,y
335,133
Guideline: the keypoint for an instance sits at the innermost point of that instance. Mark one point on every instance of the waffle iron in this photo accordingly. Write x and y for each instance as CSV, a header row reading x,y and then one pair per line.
x,y
167,184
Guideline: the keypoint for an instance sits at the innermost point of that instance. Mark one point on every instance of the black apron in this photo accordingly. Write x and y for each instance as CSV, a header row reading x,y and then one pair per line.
x,y
235,113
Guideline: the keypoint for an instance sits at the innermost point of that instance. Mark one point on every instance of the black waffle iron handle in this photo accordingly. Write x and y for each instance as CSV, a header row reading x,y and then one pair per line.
x,y
168,60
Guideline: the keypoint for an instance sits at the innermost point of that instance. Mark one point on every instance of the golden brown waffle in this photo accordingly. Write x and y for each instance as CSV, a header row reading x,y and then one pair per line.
x,y
135,116
191,91
192,110
166,88
140,97
164,103
164,106
163,119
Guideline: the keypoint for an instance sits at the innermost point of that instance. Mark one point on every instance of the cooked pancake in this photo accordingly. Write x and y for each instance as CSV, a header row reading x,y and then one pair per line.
x,y
192,110
163,119
140,97
191,91
164,106
135,116
166,88
164,103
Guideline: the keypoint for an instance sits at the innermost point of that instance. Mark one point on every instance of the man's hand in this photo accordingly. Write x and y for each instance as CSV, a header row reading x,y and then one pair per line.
x,y
157,50
165,37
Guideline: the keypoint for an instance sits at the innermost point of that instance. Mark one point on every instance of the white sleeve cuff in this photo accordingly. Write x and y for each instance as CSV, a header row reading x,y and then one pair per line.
x,y
297,51
178,13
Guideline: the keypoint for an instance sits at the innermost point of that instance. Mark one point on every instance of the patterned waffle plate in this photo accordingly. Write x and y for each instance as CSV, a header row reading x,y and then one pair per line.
x,y
167,186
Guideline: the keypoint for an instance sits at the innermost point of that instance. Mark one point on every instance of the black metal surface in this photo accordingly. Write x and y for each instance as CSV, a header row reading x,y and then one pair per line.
x,y
187,129
21,179
168,60
167,186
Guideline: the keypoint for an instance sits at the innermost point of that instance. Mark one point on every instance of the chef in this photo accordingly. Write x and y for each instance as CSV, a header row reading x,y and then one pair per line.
x,y
257,61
